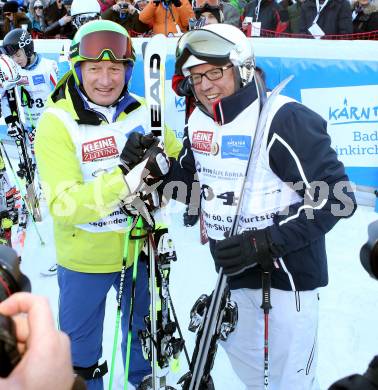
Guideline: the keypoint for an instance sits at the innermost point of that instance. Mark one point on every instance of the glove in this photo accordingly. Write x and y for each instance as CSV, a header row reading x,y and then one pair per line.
x,y
141,204
241,252
143,153
15,130
135,148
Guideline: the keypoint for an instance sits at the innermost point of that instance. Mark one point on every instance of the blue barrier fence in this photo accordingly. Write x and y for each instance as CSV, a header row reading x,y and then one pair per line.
x,y
337,79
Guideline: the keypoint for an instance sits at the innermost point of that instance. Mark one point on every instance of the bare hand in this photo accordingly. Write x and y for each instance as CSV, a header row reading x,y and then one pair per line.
x,y
66,19
46,361
131,9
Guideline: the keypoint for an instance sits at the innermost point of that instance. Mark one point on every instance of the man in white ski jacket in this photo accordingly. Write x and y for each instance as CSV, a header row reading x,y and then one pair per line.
x,y
296,192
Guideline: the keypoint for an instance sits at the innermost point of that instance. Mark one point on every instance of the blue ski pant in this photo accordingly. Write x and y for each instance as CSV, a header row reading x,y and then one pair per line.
x,y
82,299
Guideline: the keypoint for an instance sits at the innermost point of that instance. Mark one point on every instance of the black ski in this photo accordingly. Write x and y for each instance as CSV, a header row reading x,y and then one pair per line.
x,y
159,336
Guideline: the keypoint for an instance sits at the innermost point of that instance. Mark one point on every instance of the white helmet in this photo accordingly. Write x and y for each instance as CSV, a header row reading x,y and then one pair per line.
x,y
216,44
9,72
83,11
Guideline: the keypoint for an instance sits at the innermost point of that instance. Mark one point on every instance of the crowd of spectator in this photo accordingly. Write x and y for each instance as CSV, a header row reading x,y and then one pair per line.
x,y
275,18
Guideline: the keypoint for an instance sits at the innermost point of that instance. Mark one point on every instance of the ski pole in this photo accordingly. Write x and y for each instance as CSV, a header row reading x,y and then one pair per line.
x,y
138,229
25,100
266,306
119,299
23,197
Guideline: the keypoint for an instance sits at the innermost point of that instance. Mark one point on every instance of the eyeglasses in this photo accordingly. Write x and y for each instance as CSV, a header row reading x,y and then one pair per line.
x,y
38,7
212,75
94,45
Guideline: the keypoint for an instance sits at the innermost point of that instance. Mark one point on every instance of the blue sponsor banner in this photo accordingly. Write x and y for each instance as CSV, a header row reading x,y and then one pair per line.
x,y
236,146
337,79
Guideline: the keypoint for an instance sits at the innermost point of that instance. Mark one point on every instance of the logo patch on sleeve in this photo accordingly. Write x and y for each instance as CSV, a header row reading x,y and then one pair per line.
x,y
38,79
201,141
99,149
236,146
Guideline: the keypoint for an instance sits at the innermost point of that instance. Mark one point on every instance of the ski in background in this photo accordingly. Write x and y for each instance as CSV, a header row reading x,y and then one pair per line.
x,y
24,211
159,344
216,316
8,207
26,166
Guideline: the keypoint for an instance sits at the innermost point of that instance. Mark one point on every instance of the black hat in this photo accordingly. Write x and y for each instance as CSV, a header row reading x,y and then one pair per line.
x,y
215,10
10,6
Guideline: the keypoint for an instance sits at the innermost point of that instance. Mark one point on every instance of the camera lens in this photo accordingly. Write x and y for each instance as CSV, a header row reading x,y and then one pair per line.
x,y
11,278
11,281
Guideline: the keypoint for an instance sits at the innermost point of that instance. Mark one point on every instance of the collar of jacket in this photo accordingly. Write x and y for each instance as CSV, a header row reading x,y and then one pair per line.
x,y
67,90
35,63
227,109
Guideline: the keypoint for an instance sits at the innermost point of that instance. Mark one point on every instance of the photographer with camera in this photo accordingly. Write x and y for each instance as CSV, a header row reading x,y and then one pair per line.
x,y
168,17
34,355
124,13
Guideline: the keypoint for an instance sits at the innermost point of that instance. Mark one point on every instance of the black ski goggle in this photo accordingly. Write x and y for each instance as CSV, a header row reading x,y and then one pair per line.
x,y
205,45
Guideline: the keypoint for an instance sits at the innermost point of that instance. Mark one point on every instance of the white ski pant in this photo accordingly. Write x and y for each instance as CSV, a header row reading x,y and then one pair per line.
x,y
293,324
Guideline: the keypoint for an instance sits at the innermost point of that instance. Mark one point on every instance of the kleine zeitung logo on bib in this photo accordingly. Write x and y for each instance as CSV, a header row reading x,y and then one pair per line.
x,y
201,141
99,149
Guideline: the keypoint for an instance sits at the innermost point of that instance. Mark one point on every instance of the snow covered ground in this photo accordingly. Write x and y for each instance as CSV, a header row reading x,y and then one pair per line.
x,y
349,305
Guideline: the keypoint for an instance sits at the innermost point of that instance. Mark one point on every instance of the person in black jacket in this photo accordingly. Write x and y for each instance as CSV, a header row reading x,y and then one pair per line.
x,y
127,15
268,13
365,16
58,20
332,17
295,192
13,18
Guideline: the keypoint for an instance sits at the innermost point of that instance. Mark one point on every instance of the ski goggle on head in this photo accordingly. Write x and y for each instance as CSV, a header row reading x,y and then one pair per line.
x,y
95,45
205,45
